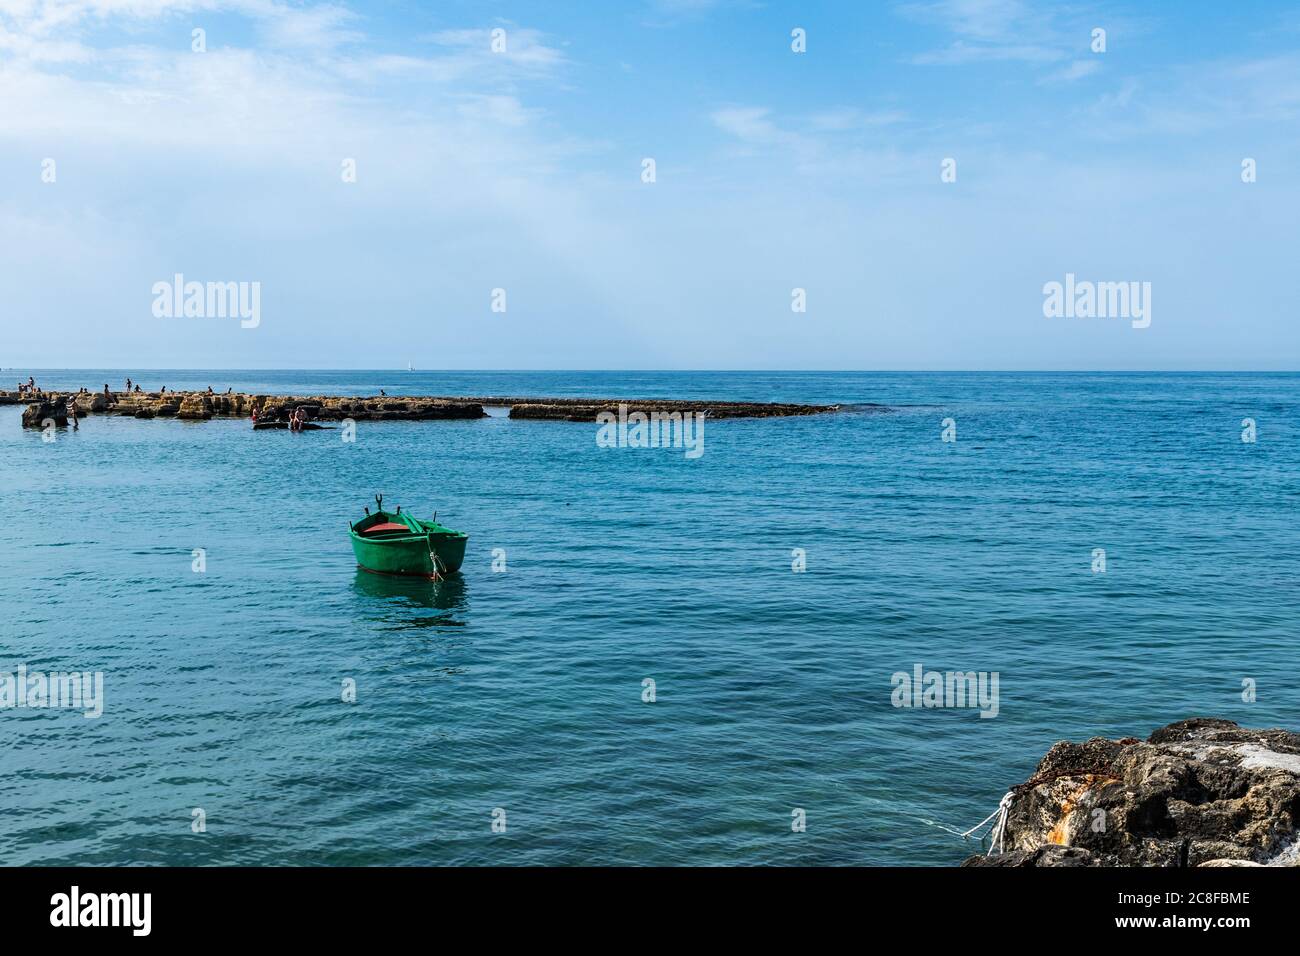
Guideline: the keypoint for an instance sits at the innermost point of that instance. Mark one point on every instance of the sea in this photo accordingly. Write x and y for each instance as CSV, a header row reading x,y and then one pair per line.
x,y
647,658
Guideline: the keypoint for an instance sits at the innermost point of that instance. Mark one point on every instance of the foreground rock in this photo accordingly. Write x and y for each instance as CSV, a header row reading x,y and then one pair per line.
x,y
36,414
1200,792
202,406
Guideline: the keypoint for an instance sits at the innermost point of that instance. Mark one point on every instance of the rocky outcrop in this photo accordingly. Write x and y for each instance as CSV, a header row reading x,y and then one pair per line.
x,y
36,414
1200,792
202,406
195,406
586,409
336,408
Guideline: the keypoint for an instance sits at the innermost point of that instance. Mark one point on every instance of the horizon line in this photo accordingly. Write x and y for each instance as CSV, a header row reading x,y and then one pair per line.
x,y
689,371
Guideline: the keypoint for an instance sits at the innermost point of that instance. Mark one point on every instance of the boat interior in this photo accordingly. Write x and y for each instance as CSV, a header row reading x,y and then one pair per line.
x,y
385,524
385,529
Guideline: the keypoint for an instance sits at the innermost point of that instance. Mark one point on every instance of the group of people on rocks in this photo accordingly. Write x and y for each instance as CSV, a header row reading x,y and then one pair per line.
x,y
31,388
297,418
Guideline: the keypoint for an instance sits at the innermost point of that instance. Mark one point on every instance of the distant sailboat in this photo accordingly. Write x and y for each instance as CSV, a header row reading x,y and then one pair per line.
x,y
410,367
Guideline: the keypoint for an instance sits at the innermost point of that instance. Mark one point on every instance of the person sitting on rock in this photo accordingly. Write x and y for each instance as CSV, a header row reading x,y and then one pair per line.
x,y
137,388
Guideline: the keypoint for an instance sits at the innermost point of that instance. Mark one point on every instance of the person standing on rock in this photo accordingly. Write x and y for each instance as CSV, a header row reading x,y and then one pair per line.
x,y
128,385
72,414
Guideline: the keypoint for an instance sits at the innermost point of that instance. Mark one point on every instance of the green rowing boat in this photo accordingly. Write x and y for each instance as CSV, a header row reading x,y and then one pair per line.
x,y
389,542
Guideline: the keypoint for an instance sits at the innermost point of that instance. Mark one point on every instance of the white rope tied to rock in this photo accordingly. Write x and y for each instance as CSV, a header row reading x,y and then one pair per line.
x,y
999,831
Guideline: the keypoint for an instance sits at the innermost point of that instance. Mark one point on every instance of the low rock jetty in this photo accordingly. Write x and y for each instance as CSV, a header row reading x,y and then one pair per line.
x,y
1201,792
202,406
586,409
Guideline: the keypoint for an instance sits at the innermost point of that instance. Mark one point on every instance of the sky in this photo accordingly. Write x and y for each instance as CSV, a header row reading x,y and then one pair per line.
x,y
133,149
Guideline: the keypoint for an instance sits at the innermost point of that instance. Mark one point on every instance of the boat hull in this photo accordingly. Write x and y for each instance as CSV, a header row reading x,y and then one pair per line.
x,y
407,557
426,550
448,545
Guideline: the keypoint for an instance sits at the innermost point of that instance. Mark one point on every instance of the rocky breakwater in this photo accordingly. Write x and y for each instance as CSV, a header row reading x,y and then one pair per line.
x,y
586,409
382,408
195,406
1201,792
201,406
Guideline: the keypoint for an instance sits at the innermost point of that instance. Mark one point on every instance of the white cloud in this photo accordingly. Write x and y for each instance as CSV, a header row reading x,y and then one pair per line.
x,y
1013,31
1204,99
319,28
228,163
1075,71
750,124
849,120
990,21
525,49
961,52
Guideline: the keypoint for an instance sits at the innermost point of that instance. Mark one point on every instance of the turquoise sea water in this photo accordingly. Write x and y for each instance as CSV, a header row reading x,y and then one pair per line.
x,y
523,690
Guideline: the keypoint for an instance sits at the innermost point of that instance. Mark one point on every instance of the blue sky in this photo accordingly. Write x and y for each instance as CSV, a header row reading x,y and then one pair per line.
x,y
775,170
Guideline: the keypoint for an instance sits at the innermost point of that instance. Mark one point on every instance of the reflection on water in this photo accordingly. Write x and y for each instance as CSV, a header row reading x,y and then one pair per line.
x,y
448,594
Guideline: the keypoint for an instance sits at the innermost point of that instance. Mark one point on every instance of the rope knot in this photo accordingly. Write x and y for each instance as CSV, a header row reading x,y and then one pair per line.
x,y
998,834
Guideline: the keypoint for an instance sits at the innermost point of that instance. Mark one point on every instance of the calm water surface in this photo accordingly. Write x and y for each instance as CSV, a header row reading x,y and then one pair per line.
x,y
523,690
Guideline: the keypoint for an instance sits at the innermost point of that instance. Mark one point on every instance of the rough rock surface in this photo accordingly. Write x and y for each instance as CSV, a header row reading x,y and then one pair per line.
x,y
37,413
201,406
586,409
1201,792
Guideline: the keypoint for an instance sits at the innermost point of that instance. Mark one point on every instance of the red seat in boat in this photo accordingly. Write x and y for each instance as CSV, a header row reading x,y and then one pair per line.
x,y
385,526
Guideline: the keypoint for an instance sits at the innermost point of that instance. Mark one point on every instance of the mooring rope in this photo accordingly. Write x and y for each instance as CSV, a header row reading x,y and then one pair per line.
x,y
999,831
